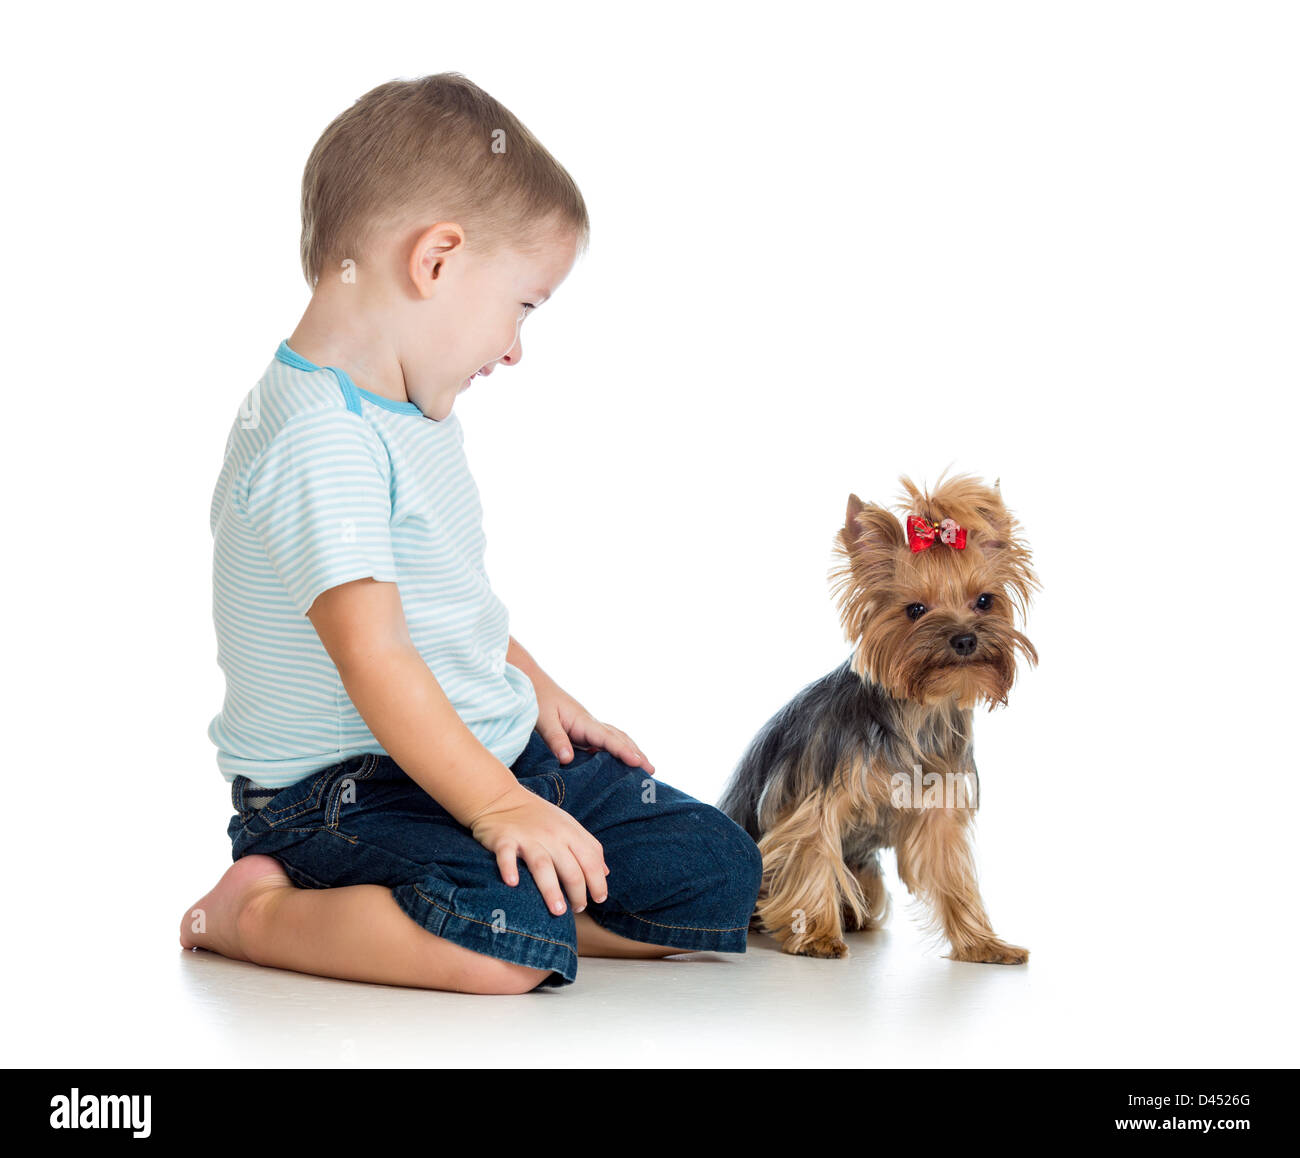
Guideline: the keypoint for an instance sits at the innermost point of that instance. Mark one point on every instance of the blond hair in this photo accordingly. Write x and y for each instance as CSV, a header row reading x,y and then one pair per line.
x,y
410,149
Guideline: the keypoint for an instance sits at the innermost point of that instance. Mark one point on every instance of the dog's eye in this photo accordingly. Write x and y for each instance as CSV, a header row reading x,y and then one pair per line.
x,y
984,602
915,610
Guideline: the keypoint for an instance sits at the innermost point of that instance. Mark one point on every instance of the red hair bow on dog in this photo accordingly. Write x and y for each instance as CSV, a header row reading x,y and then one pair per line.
x,y
921,534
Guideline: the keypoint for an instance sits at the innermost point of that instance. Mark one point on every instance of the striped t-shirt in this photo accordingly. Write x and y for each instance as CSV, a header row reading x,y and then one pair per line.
x,y
324,482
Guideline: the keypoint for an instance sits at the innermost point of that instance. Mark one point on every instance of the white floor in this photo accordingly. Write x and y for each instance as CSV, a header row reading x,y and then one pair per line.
x,y
1159,924
118,990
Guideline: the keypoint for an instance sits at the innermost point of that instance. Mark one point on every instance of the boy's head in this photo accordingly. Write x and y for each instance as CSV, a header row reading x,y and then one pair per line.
x,y
432,219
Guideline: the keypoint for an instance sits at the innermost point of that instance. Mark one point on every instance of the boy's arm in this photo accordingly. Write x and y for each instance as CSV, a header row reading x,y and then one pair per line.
x,y
563,722
363,629
516,656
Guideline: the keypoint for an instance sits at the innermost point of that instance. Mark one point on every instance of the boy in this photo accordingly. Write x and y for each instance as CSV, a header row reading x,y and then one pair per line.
x,y
394,754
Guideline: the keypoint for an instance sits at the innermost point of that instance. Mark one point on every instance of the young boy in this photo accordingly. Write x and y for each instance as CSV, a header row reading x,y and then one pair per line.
x,y
410,808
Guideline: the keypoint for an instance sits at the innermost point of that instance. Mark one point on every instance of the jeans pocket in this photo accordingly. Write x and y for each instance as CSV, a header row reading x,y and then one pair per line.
x,y
294,806
548,785
314,801
293,811
342,787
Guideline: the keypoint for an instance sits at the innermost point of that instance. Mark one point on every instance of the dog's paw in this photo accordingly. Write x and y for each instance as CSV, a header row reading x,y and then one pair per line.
x,y
823,946
992,953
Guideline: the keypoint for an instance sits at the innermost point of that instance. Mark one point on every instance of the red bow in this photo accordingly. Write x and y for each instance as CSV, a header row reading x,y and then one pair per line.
x,y
921,534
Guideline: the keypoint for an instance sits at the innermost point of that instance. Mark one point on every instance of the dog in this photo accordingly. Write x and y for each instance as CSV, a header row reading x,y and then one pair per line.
x,y
878,753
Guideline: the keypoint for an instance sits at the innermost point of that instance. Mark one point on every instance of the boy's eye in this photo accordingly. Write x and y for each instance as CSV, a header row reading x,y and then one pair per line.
x,y
984,602
529,306
915,610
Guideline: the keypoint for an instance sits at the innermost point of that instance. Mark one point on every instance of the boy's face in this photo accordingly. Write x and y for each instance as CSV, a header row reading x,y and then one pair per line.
x,y
471,309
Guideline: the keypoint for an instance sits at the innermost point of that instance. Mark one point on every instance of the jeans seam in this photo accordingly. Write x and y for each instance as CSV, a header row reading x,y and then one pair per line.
x,y
689,928
488,924
366,770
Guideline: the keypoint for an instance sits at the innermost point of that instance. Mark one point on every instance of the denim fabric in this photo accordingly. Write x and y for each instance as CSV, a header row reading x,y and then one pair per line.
x,y
681,872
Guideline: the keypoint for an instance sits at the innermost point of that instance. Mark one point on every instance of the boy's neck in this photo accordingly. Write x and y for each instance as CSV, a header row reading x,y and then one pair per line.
x,y
338,329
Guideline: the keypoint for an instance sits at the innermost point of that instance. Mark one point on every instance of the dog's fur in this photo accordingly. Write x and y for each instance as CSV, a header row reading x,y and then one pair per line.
x,y
877,754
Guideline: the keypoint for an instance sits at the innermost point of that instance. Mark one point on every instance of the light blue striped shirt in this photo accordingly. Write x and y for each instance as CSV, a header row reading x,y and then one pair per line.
x,y
324,482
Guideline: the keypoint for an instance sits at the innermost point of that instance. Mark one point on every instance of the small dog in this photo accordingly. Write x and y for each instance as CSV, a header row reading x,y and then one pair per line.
x,y
877,754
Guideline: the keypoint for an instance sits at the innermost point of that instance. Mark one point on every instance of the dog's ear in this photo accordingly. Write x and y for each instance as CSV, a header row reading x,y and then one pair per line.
x,y
871,537
867,549
1003,543
1000,527
869,528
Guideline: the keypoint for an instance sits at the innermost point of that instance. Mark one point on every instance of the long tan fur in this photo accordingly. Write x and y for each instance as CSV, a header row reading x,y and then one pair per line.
x,y
810,894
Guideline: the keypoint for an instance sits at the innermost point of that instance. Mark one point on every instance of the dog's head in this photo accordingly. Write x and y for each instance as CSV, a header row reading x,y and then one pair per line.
x,y
933,602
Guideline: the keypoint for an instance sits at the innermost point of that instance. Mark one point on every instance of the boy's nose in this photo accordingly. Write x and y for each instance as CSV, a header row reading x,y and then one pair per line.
x,y
512,356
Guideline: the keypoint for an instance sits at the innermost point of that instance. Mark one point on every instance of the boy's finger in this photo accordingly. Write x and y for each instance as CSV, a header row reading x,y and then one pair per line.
x,y
539,864
636,756
557,739
508,865
573,880
594,872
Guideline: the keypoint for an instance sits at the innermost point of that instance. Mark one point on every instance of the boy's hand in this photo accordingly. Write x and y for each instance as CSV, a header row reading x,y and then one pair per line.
x,y
563,722
555,847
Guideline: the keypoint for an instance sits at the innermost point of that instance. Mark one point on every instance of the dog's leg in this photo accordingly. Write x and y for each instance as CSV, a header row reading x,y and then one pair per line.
x,y
874,894
805,879
936,864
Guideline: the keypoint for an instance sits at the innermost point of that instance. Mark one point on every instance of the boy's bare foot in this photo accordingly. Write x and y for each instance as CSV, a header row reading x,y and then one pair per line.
x,y
212,922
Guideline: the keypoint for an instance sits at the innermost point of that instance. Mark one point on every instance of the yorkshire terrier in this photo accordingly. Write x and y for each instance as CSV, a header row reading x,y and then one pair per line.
x,y
877,754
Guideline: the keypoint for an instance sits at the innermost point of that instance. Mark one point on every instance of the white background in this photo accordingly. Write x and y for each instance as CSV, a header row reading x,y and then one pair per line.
x,y
832,243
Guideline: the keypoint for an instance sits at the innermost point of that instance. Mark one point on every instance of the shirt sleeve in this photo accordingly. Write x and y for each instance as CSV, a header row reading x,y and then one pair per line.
x,y
318,496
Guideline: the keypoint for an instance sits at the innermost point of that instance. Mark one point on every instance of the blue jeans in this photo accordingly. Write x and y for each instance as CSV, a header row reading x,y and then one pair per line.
x,y
681,872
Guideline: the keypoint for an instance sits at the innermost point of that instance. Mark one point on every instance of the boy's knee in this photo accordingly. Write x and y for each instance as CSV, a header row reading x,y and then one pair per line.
x,y
734,842
739,863
749,862
753,862
492,975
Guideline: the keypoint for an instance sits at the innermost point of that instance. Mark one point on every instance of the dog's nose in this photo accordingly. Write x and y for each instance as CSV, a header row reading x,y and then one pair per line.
x,y
963,644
